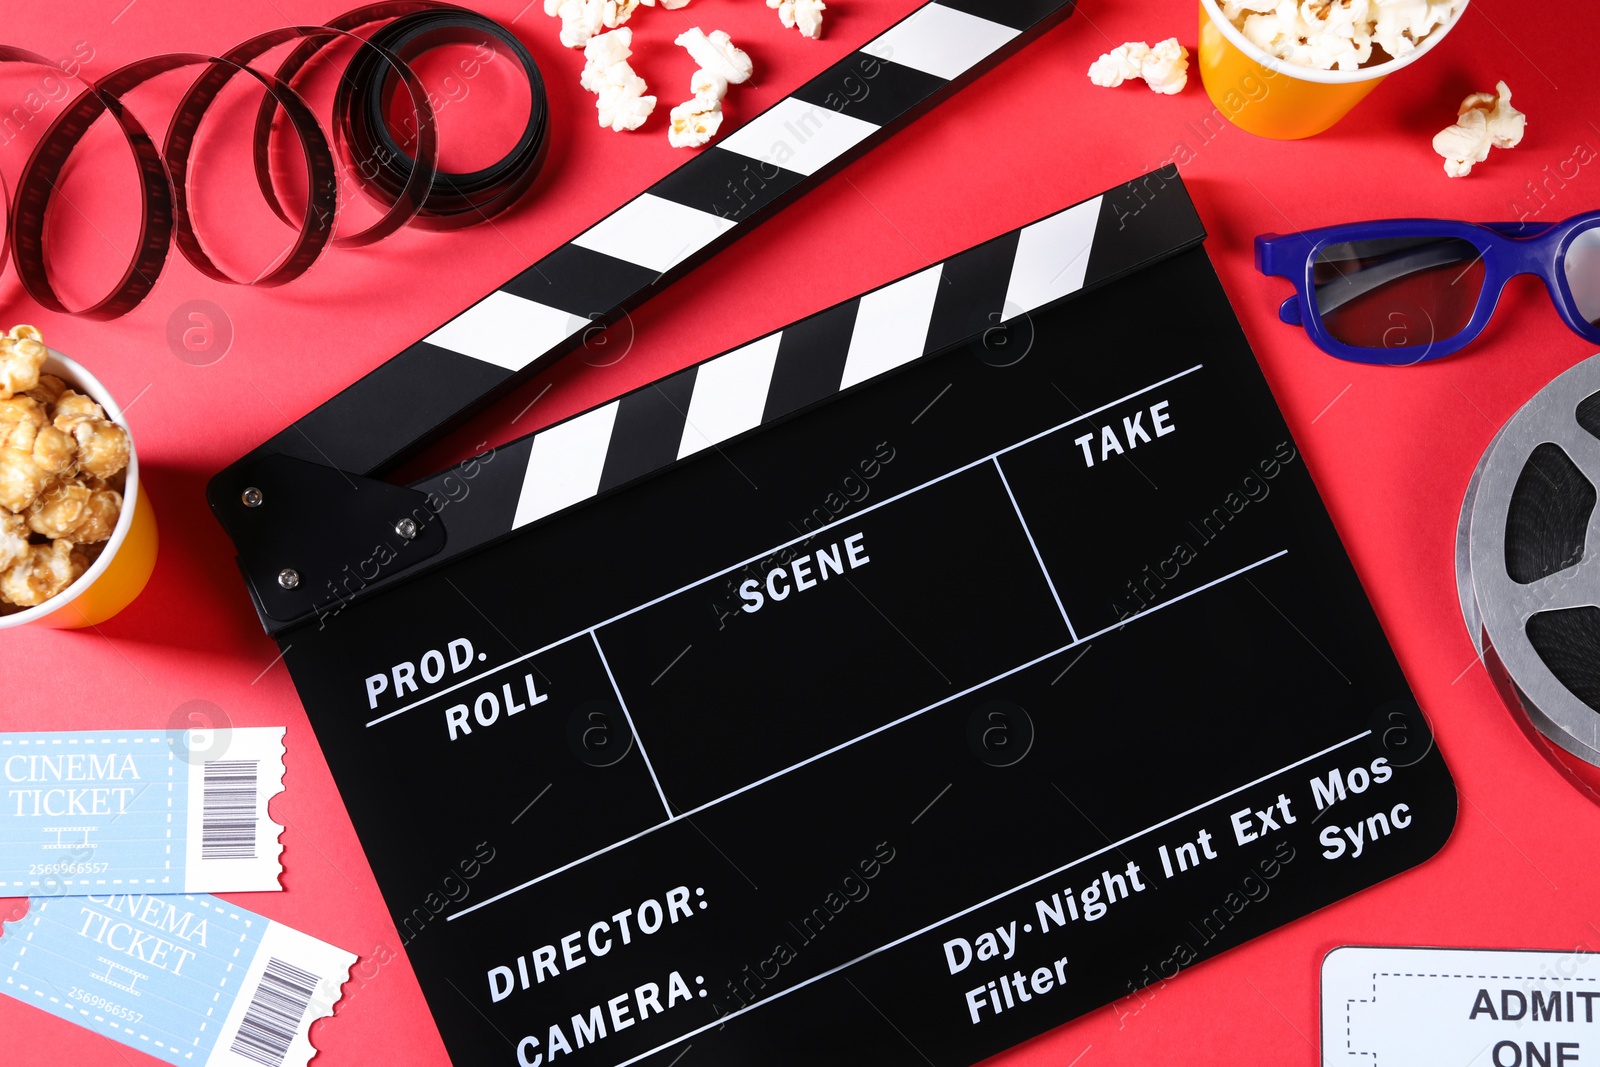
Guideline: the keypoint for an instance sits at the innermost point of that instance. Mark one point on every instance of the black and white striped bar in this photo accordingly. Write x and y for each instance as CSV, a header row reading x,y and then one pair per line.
x,y
711,403
533,319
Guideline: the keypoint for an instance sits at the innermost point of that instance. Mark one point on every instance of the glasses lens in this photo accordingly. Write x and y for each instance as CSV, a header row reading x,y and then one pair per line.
x,y
1583,273
1398,293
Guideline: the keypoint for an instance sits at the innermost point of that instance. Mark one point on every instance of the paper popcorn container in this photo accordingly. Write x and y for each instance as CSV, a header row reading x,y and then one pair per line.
x,y
1272,97
124,565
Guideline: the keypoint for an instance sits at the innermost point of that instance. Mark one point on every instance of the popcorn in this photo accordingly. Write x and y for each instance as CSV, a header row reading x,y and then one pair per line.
x,y
76,513
32,453
61,480
1342,34
13,539
102,444
21,356
1120,64
1165,68
1484,120
42,572
622,101
582,20
695,122
807,14
49,389
717,54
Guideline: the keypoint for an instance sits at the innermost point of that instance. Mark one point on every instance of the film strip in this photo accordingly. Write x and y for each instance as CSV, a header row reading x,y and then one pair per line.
x,y
409,189
538,316
1528,566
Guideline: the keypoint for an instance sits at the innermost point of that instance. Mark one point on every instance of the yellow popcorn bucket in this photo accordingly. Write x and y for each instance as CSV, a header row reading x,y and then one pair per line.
x,y
124,565
1272,97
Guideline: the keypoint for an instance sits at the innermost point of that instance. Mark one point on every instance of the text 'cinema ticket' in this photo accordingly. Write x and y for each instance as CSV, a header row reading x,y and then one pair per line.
x,y
152,811
188,979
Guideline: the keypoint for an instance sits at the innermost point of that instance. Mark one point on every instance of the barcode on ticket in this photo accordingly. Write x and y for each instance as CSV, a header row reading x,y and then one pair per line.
x,y
228,821
275,1013
136,811
189,979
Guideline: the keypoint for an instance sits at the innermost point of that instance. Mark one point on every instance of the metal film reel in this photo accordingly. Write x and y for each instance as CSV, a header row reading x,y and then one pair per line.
x,y
1528,560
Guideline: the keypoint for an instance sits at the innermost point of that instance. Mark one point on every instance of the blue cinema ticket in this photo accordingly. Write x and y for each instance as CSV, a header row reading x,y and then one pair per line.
x,y
188,979
155,811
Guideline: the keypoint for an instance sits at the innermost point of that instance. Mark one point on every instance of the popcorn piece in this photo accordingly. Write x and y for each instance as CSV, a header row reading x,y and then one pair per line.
x,y
705,83
21,356
601,54
32,453
1165,68
1506,124
695,122
49,389
76,513
583,20
1401,25
102,445
13,539
622,102
717,54
42,572
807,14
1485,120
1118,65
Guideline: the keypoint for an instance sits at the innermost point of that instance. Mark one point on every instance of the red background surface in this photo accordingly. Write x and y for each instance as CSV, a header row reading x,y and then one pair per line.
x,y
1391,449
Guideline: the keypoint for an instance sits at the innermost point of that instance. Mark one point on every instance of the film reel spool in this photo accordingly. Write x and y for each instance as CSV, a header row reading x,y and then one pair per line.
x,y
1528,564
409,189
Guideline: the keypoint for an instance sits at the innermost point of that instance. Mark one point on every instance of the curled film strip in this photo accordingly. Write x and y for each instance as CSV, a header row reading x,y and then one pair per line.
x,y
409,189
1528,566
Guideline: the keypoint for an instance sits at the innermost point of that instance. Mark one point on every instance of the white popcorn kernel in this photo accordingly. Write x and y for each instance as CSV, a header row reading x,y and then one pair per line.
x,y
1118,65
1464,144
1506,124
1164,68
705,83
806,14
625,106
622,103
717,54
1234,10
580,20
695,122
1485,120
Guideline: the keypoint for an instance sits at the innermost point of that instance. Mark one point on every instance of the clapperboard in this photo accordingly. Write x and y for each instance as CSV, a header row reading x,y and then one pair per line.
x,y
888,690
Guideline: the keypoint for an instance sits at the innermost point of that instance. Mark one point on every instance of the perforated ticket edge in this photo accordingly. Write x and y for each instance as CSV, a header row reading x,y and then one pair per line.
x,y
331,964
260,873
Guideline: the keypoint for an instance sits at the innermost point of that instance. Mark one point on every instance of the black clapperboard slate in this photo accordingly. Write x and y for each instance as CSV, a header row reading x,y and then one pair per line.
x,y
1032,608
887,691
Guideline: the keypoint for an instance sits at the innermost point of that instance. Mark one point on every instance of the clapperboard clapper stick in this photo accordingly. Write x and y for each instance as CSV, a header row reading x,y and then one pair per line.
x,y
318,473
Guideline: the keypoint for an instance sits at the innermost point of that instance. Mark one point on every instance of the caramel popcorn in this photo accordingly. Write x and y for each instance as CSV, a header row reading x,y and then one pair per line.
x,y
76,513
21,356
42,572
102,444
61,476
13,539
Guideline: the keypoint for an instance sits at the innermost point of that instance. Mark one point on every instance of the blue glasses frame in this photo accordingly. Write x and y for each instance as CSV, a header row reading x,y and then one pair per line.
x,y
1507,249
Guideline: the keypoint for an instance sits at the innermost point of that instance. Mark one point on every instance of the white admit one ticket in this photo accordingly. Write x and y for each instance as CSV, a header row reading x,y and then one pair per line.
x,y
1462,1007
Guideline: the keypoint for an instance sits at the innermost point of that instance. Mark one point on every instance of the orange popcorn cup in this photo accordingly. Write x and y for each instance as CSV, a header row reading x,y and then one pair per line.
x,y
124,565
1272,97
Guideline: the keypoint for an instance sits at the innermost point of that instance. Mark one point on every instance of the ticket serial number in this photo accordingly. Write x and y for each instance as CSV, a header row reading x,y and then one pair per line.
x,y
95,1000
68,868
